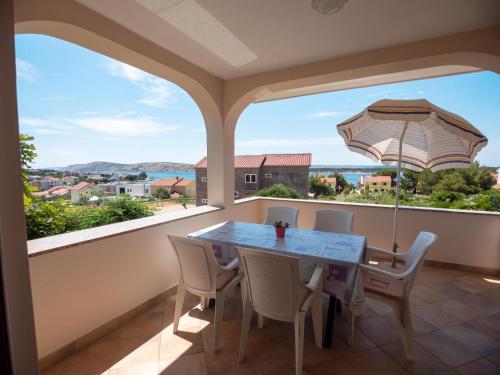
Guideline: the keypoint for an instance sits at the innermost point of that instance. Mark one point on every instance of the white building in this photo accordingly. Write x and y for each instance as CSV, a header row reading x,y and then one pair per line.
x,y
137,189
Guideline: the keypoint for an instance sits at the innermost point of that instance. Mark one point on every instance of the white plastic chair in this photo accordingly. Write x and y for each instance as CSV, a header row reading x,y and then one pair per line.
x,y
337,221
285,214
201,275
273,287
394,288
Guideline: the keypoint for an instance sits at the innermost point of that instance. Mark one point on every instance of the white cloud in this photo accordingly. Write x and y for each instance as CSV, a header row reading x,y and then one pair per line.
x,y
124,126
156,91
46,131
327,141
26,71
325,114
31,121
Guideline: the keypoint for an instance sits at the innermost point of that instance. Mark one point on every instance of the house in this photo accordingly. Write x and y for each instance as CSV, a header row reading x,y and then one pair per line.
x,y
54,192
69,180
138,189
332,181
84,190
185,187
255,172
47,183
165,183
378,184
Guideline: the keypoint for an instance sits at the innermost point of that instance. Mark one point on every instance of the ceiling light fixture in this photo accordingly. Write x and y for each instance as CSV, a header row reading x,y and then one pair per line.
x,y
327,6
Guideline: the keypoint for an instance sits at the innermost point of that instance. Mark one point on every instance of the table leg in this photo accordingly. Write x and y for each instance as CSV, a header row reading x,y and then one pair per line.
x,y
330,322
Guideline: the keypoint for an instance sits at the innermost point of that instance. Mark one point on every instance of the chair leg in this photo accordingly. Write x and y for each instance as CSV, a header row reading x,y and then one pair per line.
x,y
179,303
317,318
405,325
299,341
219,312
261,321
245,328
350,334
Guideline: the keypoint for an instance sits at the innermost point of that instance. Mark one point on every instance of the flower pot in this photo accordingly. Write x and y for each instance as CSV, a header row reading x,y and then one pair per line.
x,y
280,232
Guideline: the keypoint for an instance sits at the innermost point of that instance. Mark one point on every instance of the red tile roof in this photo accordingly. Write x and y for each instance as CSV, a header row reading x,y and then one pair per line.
x,y
330,180
184,182
287,160
271,160
175,195
167,181
80,186
497,186
378,179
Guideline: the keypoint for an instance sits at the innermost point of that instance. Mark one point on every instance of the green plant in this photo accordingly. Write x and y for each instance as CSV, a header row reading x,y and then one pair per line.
x,y
280,224
162,193
45,219
318,187
278,191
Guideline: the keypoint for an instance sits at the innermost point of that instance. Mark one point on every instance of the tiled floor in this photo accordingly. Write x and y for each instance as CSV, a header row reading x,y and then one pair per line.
x,y
457,331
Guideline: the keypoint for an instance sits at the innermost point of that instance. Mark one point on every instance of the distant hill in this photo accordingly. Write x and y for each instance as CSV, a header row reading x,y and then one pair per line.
x,y
104,166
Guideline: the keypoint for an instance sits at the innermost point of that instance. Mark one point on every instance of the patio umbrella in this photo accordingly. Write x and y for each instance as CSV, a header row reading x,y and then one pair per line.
x,y
412,134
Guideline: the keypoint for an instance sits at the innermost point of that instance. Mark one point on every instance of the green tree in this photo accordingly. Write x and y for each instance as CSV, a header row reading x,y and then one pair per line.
x,y
409,181
393,172
162,193
342,185
142,176
318,187
278,191
131,177
28,156
45,219
454,182
125,208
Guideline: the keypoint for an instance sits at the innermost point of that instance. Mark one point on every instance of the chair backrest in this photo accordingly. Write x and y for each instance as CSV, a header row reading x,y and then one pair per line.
x,y
273,283
337,221
286,214
414,257
198,267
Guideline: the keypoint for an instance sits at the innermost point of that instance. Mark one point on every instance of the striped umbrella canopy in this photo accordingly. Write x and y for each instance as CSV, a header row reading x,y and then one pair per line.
x,y
412,134
432,137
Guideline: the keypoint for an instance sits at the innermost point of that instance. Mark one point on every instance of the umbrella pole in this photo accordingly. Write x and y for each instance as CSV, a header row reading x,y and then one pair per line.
x,y
396,206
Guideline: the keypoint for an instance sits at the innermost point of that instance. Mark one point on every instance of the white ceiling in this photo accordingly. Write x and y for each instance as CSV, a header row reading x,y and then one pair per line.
x,y
233,38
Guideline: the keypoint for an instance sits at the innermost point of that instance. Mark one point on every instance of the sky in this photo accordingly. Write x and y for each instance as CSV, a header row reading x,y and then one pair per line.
x,y
82,106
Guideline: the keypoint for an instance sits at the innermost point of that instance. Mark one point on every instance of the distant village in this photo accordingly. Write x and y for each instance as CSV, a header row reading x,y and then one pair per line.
x,y
83,187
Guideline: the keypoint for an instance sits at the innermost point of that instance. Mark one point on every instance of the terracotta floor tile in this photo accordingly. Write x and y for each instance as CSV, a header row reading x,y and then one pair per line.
x,y
428,294
479,367
489,325
148,368
187,365
420,326
487,302
425,363
373,361
432,314
376,306
495,358
378,330
473,339
340,343
450,351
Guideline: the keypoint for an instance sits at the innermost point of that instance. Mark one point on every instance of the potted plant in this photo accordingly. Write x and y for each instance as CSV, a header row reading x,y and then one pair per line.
x,y
280,228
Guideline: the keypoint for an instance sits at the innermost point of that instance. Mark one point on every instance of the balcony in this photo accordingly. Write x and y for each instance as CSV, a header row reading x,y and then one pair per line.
x,y
103,300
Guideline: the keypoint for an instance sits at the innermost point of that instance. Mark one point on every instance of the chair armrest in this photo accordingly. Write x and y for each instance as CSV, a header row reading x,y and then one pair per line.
x,y
232,265
315,285
371,269
370,250
316,279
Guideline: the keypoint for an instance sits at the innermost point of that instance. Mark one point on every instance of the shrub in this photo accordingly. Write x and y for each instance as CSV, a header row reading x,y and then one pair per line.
x,y
162,193
278,191
45,219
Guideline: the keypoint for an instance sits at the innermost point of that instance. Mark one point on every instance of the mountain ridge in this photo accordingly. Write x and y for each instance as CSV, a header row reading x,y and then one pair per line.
x,y
105,166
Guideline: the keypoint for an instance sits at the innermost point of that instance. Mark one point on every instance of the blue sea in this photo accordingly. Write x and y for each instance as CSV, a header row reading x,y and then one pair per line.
x,y
352,178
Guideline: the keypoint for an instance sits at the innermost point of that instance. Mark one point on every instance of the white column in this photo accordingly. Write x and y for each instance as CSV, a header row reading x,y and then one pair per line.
x,y
220,158
13,251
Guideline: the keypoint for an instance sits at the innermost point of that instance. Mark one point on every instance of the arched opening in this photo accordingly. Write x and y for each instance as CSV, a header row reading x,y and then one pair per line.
x,y
306,124
102,131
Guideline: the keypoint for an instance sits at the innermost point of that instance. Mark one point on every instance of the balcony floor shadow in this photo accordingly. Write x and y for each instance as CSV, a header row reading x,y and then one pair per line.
x,y
456,319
